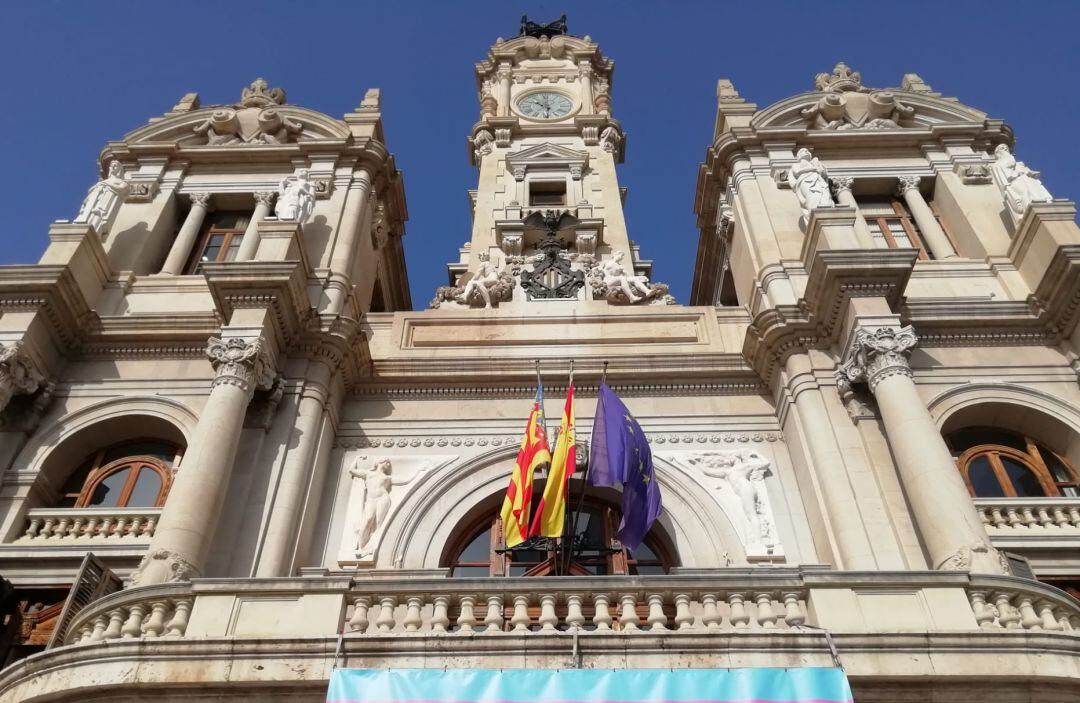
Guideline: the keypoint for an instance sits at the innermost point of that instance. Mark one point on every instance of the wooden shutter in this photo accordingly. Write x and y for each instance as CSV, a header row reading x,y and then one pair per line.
x,y
93,581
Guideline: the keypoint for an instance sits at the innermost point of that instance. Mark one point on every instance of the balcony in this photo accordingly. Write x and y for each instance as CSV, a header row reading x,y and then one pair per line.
x,y
89,526
912,625
1036,516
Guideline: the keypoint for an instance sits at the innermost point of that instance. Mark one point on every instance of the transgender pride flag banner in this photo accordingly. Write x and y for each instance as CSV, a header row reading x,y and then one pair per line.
x,y
803,685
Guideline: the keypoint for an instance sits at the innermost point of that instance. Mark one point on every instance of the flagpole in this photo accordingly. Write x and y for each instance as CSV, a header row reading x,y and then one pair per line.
x,y
563,560
543,414
584,477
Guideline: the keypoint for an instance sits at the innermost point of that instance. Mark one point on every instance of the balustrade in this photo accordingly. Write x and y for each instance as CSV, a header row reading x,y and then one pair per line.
x,y
157,617
1039,515
46,526
540,611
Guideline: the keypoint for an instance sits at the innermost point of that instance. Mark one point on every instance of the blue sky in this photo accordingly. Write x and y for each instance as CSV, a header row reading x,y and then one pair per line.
x,y
80,74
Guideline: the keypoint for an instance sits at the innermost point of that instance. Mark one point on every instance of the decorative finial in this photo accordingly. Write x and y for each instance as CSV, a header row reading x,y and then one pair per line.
x,y
259,94
841,80
537,30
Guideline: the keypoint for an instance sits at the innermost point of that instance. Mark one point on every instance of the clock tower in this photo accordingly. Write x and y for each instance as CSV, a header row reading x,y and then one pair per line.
x,y
548,222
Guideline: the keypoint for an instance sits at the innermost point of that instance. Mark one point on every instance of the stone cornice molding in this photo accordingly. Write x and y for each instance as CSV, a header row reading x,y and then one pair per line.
x,y
241,363
487,391
504,55
277,286
876,354
483,441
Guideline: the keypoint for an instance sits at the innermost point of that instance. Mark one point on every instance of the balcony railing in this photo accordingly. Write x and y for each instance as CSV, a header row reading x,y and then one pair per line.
x,y
1015,515
48,526
769,601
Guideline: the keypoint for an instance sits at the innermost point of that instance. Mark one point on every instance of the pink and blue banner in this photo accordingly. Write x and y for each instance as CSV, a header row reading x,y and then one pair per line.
x,y
764,685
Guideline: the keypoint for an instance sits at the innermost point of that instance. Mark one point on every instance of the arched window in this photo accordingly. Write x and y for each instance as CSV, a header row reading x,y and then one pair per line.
x,y
998,463
133,474
481,551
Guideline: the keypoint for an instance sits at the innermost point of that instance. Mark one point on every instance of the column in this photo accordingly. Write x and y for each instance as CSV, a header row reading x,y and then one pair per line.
x,y
503,75
250,242
585,72
932,233
283,525
189,232
944,513
179,548
345,246
842,187
853,548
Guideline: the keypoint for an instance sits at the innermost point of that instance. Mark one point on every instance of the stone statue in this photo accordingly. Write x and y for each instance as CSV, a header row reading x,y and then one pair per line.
x,y
103,202
296,197
1018,183
636,288
486,278
610,139
372,500
810,181
744,472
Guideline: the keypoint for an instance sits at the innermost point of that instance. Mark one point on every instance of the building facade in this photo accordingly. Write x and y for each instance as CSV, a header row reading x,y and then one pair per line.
x,y
865,423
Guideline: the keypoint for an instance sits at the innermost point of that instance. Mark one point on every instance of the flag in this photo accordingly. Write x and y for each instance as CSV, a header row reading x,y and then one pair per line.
x,y
551,513
533,455
619,454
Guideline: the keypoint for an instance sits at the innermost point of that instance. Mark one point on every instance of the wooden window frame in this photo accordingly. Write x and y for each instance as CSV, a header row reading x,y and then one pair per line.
x,y
904,217
99,472
618,563
1032,459
233,235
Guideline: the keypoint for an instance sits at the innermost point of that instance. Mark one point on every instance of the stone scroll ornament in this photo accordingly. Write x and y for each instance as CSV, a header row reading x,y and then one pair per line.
x,y
848,105
610,281
254,120
103,201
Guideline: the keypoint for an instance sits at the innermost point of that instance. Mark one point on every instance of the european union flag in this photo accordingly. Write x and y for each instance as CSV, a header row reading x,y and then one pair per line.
x,y
619,454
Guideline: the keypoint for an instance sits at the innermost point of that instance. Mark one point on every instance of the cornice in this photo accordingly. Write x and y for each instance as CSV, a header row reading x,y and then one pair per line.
x,y
345,441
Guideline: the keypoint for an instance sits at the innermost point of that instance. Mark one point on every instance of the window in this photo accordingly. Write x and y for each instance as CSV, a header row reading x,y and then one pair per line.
x,y
547,193
597,552
220,239
998,463
129,475
891,226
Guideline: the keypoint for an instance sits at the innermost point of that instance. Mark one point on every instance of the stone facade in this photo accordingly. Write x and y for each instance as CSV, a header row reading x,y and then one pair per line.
x,y
229,317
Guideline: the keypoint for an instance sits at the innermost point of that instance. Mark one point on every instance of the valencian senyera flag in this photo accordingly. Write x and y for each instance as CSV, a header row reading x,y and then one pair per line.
x,y
764,685
619,454
534,455
551,513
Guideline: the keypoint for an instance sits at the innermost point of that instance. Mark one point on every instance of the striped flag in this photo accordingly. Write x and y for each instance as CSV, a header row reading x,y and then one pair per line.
x,y
533,455
551,513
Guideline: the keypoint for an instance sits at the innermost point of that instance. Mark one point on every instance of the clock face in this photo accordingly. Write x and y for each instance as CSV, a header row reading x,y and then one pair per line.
x,y
545,106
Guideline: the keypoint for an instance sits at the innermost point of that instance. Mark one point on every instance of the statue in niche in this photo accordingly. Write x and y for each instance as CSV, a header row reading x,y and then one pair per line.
x,y
103,201
1019,184
744,472
296,197
372,500
810,181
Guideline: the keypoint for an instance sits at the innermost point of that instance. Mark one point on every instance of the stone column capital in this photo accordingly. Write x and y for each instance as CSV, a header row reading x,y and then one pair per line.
x,y
875,354
18,372
504,71
841,183
201,199
906,183
238,362
265,197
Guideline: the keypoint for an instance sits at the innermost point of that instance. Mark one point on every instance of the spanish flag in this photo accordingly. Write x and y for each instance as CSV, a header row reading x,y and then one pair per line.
x,y
533,455
551,514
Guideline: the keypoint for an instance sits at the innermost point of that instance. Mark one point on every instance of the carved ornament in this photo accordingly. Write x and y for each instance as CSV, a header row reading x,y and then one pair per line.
x,y
163,566
254,120
875,355
848,105
238,362
18,373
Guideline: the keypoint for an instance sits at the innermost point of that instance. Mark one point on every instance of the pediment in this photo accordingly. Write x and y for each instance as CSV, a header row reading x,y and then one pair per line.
x,y
188,129
548,154
852,110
